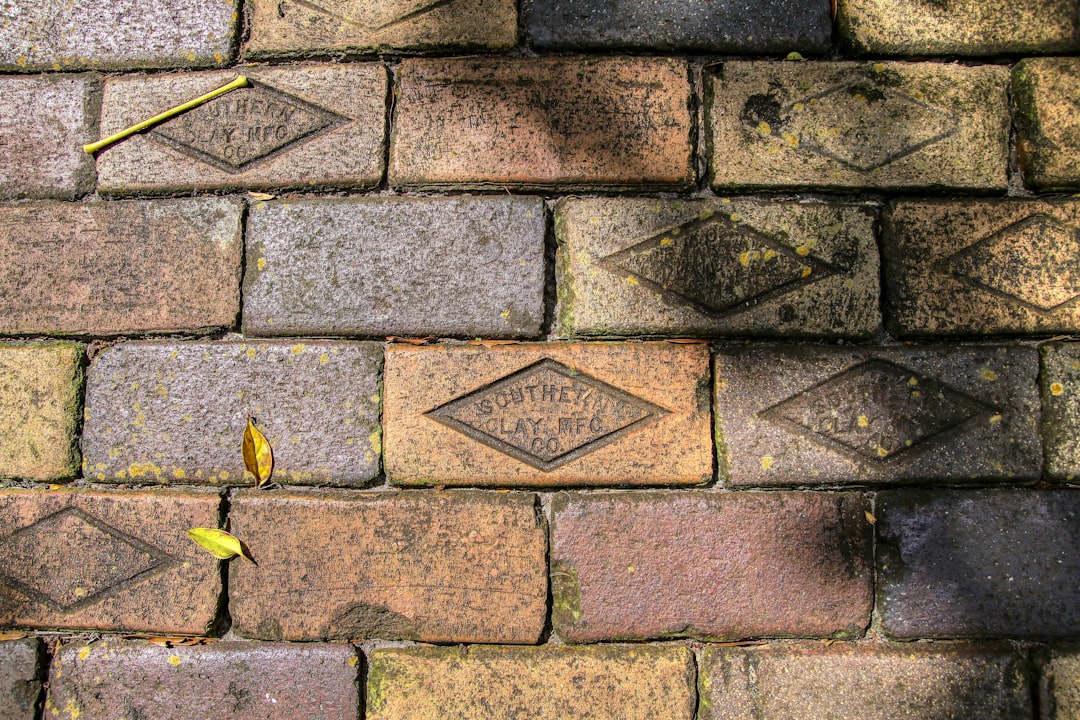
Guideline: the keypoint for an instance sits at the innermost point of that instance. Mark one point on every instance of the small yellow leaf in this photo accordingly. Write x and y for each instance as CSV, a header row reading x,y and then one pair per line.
x,y
260,195
258,456
870,517
12,635
219,543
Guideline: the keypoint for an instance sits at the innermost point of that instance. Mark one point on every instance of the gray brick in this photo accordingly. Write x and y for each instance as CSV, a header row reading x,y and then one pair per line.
x,y
21,673
1047,122
1060,380
176,412
463,266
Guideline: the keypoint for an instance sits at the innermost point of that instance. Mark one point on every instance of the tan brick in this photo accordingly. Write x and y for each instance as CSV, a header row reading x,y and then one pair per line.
x,y
702,564
1059,379
297,126
1047,122
571,122
965,267
1059,686
547,414
40,392
858,125
122,267
610,682
290,27
437,567
107,560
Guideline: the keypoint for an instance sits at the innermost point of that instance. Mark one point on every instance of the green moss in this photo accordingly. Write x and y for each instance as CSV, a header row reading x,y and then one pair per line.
x,y
565,594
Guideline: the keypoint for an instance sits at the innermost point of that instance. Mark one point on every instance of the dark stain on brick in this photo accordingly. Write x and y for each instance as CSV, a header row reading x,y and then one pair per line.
x,y
371,621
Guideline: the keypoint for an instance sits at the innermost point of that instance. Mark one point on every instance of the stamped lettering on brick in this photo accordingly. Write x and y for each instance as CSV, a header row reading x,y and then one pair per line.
x,y
374,15
241,127
38,560
878,412
547,414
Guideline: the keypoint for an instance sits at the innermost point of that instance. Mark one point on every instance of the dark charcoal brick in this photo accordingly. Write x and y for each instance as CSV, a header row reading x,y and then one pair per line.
x,y
1060,380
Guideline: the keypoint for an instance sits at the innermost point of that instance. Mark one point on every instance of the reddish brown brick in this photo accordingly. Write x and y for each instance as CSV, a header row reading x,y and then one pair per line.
x,y
21,673
702,564
107,560
574,122
125,679
438,567
123,267
548,414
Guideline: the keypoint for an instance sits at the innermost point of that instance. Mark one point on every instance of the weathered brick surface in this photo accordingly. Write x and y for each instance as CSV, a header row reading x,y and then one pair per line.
x,y
726,566
119,34
798,415
960,27
119,680
176,412
44,121
851,125
20,678
1060,381
437,567
1059,685
730,267
297,126
979,563
464,266
763,27
548,414
107,560
40,388
1047,122
872,681
494,683
574,122
122,267
293,28
968,267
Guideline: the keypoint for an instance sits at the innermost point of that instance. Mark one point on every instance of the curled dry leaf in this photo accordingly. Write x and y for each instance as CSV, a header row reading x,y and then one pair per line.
x,y
870,517
260,195
410,340
258,455
12,635
219,543
169,642
493,343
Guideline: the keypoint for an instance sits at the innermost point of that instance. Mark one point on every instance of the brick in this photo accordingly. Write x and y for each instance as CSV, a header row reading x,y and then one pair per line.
x,y
857,125
767,26
120,34
743,266
566,122
604,683
21,673
872,681
176,412
460,266
797,415
699,564
107,560
978,563
981,266
548,415
437,567
301,126
44,122
1060,427
963,27
40,390
1059,685
120,267
290,27
1047,124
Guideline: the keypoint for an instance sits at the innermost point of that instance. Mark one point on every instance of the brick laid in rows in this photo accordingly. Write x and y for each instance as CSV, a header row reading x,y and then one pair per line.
x,y
44,122
570,122
728,566
979,563
464,266
302,126
798,415
1060,381
651,267
548,414
763,27
981,266
176,412
871,681
293,27
122,679
1047,122
115,35
21,673
493,683
1059,685
107,560
40,389
119,267
437,567
858,125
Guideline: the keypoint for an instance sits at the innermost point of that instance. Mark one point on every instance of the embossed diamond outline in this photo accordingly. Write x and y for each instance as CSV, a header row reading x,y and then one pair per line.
x,y
820,268
411,15
161,561
442,415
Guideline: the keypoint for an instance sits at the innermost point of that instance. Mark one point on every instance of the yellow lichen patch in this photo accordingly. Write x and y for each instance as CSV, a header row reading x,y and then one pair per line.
x,y
178,473
725,201
798,106
764,128
879,67
251,352
505,315
989,374
882,452
219,57
630,569
1056,388
72,709
769,254
807,270
995,418
916,393
174,660
766,462
324,358
84,652
913,381
705,214
261,263
665,241
353,661
792,140
136,469
631,279
734,217
375,438
863,422
298,349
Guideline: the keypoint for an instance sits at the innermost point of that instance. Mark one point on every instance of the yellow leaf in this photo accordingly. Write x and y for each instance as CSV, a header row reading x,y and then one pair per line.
x,y
12,635
260,195
258,456
870,517
219,543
